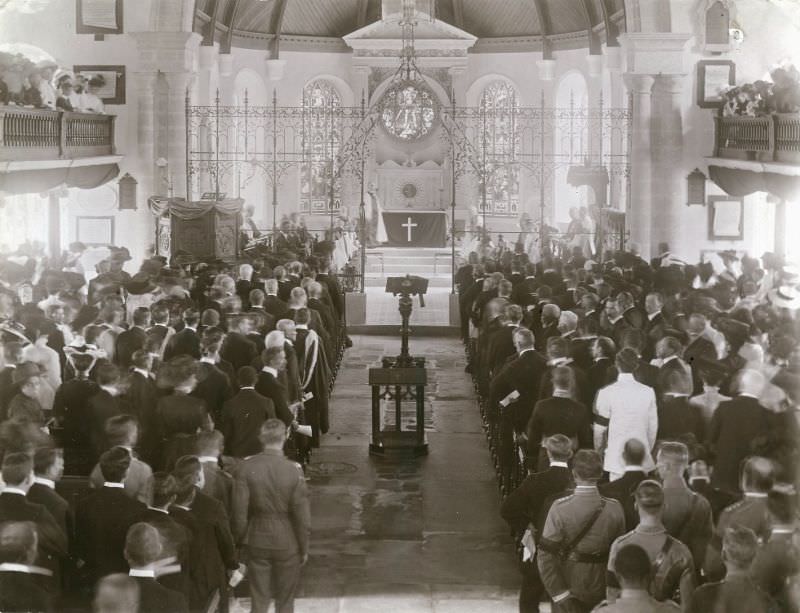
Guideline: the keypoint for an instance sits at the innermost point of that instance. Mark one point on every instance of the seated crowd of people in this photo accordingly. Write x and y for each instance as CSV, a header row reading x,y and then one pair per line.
x,y
643,422
43,85
160,390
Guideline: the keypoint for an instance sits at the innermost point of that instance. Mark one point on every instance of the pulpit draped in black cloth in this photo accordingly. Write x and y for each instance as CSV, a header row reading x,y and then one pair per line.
x,y
416,228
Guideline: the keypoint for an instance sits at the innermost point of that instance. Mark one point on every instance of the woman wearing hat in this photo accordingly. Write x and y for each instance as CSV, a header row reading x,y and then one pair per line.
x,y
179,416
25,406
90,101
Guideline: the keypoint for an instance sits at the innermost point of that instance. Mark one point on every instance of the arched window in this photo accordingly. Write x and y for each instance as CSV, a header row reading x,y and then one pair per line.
x,y
322,134
498,146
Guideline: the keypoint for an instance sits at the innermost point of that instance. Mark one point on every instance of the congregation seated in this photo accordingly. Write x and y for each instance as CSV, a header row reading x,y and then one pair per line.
x,y
689,383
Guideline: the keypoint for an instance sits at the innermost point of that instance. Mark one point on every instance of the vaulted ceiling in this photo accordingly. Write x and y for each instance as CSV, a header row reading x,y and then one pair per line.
x,y
500,25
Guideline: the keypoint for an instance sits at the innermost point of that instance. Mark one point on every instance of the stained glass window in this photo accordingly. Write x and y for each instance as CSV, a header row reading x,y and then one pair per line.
x,y
322,134
408,112
498,144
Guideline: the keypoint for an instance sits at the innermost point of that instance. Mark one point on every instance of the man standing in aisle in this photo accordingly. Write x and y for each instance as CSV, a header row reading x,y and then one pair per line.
x,y
271,521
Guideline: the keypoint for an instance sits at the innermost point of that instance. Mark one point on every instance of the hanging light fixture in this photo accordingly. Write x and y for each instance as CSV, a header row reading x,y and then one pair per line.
x,y
409,109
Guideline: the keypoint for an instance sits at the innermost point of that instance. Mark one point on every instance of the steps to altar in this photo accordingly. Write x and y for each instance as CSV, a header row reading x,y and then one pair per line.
x,y
433,263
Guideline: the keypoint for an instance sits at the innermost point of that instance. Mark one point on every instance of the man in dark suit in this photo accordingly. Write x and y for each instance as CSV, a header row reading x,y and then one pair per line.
x,y
734,426
104,405
655,324
632,314
621,490
211,548
526,509
559,353
143,548
243,415
549,325
187,341
17,472
326,313
269,385
160,331
265,320
214,386
21,581
332,284
669,350
141,397
699,348
12,355
501,346
237,348
559,414
217,483
617,324
272,520
133,338
103,517
48,468
602,372
274,305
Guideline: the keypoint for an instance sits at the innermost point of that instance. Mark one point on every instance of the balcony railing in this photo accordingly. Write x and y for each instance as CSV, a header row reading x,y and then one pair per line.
x,y
771,138
41,134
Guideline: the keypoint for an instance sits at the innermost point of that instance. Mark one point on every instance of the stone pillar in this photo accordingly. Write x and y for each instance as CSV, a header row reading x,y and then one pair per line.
x,y
638,213
668,178
149,180
616,100
594,91
547,100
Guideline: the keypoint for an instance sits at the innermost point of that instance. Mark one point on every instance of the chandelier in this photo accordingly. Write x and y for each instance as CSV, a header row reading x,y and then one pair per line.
x,y
409,109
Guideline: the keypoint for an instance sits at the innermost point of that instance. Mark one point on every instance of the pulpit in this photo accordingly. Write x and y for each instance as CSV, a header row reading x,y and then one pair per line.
x,y
207,229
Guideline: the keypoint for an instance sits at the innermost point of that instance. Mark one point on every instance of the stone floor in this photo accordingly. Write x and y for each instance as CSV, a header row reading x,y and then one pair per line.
x,y
382,308
398,536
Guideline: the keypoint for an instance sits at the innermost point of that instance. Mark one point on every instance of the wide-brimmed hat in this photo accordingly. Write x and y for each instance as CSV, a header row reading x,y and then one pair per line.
x,y
25,371
734,330
785,297
13,331
42,64
140,283
789,382
119,254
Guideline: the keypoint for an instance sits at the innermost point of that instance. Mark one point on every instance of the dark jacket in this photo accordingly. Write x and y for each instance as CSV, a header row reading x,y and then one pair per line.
x,y
102,407
529,503
622,490
214,388
677,419
22,591
102,520
127,343
242,417
269,387
559,416
155,598
185,342
55,504
238,350
735,425
523,375
52,540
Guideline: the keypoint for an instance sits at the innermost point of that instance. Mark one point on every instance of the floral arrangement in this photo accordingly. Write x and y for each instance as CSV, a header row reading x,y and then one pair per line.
x,y
761,98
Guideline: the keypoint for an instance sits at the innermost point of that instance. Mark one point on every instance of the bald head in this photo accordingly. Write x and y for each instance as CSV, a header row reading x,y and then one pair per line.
x,y
750,382
758,475
567,322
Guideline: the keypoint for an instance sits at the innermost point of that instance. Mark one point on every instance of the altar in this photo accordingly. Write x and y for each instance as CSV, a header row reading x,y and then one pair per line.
x,y
413,228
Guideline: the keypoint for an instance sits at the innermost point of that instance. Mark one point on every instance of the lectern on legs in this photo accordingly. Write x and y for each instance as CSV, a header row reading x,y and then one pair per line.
x,y
402,378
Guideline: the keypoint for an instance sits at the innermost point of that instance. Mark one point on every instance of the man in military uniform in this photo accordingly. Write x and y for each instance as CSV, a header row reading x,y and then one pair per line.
x,y
751,512
632,569
687,514
670,560
272,520
577,534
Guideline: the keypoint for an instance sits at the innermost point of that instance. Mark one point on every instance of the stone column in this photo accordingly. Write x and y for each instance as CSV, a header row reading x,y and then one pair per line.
x,y
594,91
616,100
668,178
147,175
638,213
547,101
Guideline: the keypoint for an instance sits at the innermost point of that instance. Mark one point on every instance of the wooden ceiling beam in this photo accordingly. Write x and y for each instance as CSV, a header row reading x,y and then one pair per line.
x,y
592,38
210,31
612,31
361,18
458,13
546,28
276,26
227,40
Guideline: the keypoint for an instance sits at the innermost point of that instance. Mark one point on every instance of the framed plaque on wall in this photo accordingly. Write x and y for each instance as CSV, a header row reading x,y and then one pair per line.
x,y
725,218
714,76
98,17
94,231
113,92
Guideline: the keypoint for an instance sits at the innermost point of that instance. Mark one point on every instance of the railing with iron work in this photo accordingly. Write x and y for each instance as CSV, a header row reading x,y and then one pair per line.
x,y
43,134
770,138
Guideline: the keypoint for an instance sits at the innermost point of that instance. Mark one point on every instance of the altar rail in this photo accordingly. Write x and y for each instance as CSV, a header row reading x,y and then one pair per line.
x,y
771,138
42,134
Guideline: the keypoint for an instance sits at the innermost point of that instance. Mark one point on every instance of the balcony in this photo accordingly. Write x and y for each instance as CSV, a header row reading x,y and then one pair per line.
x,y
770,138
40,134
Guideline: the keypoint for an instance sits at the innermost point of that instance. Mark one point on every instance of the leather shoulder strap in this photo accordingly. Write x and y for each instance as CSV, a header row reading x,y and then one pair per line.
x,y
585,529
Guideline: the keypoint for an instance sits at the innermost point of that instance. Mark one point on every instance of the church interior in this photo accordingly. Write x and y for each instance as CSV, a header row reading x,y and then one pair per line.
x,y
426,238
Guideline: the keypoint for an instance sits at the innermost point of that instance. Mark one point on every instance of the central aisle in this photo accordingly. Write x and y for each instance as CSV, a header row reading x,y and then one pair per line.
x,y
413,535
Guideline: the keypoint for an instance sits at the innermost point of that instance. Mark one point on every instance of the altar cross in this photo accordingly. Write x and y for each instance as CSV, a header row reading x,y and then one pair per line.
x,y
408,225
